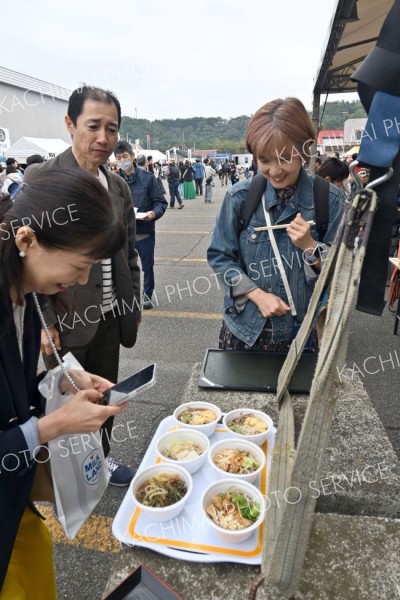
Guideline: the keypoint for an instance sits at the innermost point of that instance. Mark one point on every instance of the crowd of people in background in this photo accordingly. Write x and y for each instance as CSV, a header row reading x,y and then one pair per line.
x,y
194,173
337,172
189,179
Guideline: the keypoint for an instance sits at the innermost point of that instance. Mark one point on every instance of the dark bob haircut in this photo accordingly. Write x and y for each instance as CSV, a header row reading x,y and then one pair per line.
x,y
87,92
66,209
334,168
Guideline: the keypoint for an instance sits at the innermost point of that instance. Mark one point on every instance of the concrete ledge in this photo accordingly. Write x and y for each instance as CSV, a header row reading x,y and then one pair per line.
x,y
348,558
361,472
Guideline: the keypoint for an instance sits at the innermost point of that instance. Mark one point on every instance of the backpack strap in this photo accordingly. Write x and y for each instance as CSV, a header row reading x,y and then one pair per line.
x,y
320,195
253,198
321,205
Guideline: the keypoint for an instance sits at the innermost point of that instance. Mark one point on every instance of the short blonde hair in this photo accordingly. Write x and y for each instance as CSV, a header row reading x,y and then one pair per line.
x,y
276,120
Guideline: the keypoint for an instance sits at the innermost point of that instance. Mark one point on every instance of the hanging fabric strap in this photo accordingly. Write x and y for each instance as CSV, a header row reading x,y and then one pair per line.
x,y
289,518
279,260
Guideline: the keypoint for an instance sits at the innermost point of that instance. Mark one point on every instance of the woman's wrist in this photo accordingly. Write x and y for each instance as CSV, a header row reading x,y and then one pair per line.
x,y
313,257
308,246
256,295
253,294
49,427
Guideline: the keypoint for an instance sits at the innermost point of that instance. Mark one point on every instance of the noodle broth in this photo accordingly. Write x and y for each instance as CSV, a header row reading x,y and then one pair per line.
x,y
182,450
237,459
184,447
161,491
233,508
199,416
237,462
249,425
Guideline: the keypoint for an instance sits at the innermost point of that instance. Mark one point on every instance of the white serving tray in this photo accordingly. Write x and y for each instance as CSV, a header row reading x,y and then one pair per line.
x,y
189,535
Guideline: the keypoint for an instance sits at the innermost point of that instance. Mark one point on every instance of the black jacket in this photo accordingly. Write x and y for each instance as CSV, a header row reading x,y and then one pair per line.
x,y
188,173
174,174
18,384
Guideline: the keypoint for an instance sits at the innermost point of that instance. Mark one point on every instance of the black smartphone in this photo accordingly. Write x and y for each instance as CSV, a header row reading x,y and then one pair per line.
x,y
130,387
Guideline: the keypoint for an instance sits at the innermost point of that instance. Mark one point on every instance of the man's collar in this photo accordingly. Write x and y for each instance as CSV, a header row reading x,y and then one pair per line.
x,y
68,159
130,177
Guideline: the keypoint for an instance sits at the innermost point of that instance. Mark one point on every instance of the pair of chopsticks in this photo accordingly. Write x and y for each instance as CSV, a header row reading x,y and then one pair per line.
x,y
282,226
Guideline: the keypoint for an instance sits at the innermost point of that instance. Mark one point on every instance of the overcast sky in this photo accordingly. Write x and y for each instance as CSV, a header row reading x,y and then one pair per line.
x,y
172,58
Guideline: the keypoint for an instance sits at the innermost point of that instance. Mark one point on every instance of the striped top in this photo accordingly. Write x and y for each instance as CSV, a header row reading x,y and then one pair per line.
x,y
19,314
109,293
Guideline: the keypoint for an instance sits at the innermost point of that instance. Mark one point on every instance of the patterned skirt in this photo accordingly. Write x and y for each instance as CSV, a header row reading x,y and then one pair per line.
x,y
228,341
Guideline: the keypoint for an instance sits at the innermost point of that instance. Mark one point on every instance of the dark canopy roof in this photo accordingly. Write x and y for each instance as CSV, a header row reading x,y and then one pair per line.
x,y
353,33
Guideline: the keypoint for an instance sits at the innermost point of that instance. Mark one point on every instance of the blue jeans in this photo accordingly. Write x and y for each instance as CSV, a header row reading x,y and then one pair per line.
x,y
145,249
174,193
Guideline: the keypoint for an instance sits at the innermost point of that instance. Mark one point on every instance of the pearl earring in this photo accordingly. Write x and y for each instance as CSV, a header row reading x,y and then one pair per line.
x,y
22,254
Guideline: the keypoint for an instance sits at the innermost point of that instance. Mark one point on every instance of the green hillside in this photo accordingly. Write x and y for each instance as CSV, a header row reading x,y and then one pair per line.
x,y
336,113
225,135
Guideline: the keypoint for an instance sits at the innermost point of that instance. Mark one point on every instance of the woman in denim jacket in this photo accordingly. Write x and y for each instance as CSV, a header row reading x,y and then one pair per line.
x,y
257,315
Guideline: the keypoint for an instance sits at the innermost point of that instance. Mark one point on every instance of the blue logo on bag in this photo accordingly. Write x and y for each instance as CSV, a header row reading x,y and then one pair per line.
x,y
91,468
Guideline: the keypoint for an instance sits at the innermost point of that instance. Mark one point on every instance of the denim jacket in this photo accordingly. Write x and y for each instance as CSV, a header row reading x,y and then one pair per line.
x,y
249,257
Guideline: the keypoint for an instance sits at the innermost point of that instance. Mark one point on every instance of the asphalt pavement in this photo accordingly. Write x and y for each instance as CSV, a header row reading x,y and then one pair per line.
x,y
175,334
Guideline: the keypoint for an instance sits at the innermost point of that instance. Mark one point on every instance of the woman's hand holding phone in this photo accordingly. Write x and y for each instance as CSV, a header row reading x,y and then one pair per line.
x,y
85,381
82,414
131,386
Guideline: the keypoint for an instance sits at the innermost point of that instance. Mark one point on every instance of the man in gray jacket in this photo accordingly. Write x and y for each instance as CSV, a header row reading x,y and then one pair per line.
x,y
92,321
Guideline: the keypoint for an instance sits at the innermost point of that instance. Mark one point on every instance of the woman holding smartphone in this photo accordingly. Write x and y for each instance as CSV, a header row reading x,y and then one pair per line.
x,y
51,234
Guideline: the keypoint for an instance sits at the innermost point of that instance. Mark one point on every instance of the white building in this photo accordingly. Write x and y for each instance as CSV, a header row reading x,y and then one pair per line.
x,y
353,129
243,160
31,107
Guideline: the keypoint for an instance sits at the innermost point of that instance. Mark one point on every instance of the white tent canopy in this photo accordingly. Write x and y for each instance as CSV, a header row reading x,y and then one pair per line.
x,y
26,146
156,154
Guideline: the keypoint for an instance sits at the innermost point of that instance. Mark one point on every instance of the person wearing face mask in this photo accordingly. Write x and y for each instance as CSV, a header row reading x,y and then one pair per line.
x,y
262,311
150,204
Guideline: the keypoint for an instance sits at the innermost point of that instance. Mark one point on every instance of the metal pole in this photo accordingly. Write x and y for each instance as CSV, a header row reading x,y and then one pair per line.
x,y
315,121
